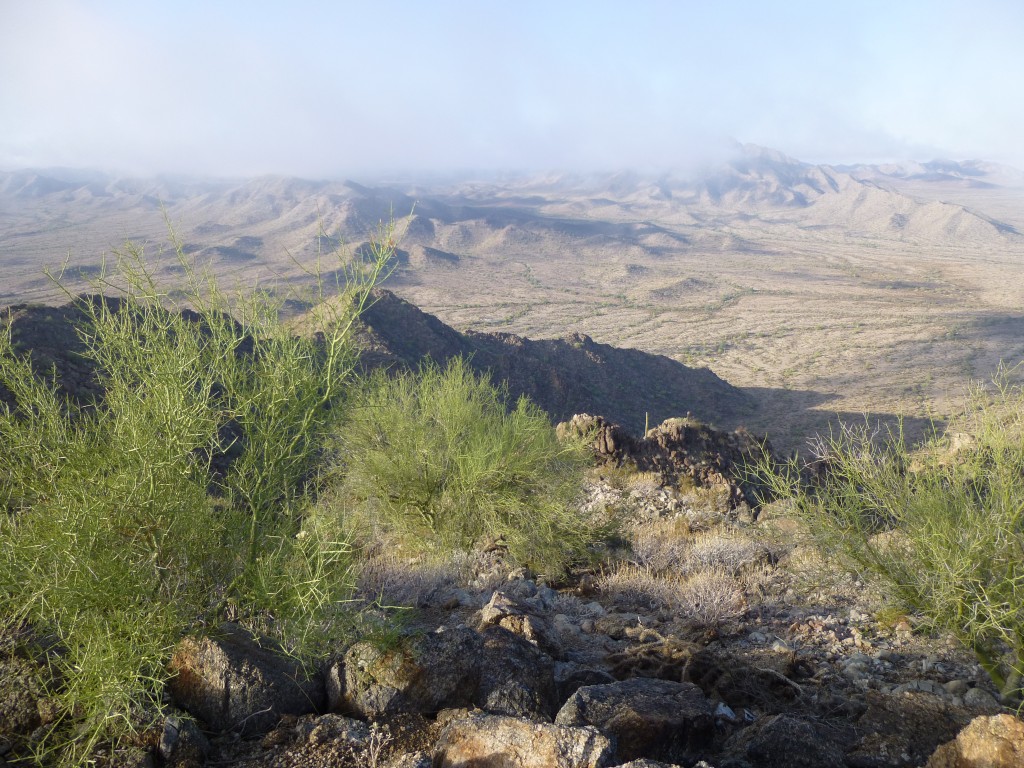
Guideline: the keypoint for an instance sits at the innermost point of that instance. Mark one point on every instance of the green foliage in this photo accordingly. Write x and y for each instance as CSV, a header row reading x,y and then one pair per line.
x,y
437,459
119,538
941,529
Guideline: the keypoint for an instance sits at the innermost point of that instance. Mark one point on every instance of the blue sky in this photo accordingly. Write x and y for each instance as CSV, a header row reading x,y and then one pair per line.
x,y
357,89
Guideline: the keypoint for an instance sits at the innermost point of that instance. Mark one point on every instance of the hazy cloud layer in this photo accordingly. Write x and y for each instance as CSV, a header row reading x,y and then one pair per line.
x,y
359,88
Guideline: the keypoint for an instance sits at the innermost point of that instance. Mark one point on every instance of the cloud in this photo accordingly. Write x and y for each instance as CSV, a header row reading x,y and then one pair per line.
x,y
312,90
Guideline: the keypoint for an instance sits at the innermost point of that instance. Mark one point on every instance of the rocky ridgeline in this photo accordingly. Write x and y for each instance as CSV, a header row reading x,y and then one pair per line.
x,y
617,665
562,376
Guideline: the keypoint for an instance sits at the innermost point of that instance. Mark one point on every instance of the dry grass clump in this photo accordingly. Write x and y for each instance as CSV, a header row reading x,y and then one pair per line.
x,y
661,545
669,545
706,598
635,587
711,597
702,576
730,552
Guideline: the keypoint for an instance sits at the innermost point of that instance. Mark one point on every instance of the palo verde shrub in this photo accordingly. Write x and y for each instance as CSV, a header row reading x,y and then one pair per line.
x,y
116,536
437,459
941,528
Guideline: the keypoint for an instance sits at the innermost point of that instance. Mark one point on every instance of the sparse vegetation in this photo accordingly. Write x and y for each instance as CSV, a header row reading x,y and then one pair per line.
x,y
940,528
436,459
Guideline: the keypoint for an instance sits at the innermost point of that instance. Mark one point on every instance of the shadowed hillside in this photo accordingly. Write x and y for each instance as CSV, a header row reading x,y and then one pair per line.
x,y
564,376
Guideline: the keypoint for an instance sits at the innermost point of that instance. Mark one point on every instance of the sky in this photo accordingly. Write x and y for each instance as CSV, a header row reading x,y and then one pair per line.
x,y
333,89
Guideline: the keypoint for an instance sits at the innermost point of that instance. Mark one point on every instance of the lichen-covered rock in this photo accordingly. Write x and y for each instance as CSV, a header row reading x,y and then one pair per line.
x,y
230,682
422,673
494,741
646,717
987,742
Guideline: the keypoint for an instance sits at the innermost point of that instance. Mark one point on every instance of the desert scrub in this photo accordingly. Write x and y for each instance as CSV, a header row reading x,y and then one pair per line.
x,y
118,536
438,460
939,528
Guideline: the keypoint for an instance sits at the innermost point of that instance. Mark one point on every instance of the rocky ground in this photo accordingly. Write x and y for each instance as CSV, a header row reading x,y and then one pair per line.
x,y
708,635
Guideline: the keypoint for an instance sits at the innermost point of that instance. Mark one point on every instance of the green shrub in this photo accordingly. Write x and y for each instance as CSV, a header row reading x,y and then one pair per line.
x,y
437,459
119,538
941,528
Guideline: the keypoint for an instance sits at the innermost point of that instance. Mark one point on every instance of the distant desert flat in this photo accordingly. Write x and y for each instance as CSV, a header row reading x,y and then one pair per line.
x,y
825,292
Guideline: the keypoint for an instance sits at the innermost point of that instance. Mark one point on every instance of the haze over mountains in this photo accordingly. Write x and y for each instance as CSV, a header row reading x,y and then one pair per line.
x,y
819,289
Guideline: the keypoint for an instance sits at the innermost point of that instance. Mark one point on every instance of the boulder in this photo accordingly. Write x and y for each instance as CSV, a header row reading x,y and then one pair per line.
x,y
785,742
496,670
987,742
331,728
646,717
421,674
496,741
570,677
516,677
520,619
230,682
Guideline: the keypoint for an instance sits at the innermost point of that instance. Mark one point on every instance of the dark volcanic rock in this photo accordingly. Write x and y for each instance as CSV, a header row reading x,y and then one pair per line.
x,y
422,674
678,448
787,742
517,678
497,670
646,717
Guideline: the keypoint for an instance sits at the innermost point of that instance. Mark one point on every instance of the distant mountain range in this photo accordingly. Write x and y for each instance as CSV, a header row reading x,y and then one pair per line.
x,y
258,219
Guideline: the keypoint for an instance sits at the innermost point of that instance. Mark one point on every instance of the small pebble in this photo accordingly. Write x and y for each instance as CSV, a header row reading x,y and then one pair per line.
x,y
977,698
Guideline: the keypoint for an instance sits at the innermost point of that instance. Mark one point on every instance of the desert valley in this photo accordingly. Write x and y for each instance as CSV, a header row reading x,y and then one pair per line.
x,y
821,292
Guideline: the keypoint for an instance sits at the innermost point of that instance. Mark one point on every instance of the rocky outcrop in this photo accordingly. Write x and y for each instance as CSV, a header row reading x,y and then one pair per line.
x,y
422,673
679,450
494,669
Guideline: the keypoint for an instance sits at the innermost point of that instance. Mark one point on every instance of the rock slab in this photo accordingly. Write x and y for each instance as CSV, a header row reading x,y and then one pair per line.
x,y
498,741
